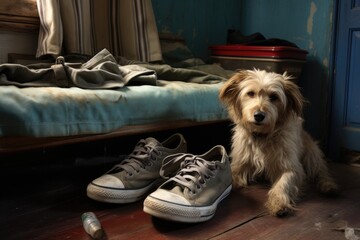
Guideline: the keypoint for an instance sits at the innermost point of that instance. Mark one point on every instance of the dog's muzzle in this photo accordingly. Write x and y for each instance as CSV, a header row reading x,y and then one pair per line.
x,y
259,116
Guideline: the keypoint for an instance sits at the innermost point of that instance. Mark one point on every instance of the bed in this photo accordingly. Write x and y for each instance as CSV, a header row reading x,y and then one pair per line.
x,y
37,114
53,104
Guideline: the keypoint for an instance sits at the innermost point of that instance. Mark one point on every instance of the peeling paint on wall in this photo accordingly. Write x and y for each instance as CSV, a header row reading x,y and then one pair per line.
x,y
311,44
310,20
310,23
326,62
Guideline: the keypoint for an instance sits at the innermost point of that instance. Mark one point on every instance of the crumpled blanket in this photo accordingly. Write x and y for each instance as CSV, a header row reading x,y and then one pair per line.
x,y
201,74
100,72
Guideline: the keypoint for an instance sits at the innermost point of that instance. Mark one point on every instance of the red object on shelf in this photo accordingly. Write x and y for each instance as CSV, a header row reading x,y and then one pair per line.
x,y
237,50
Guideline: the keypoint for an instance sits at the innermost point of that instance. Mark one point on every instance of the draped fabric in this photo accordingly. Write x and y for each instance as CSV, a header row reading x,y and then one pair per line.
x,y
100,72
126,28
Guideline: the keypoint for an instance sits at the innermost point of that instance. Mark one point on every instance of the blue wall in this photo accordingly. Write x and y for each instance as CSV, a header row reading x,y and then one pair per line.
x,y
306,23
200,22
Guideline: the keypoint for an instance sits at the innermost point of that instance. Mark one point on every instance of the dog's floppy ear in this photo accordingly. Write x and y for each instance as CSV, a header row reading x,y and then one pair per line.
x,y
230,91
293,95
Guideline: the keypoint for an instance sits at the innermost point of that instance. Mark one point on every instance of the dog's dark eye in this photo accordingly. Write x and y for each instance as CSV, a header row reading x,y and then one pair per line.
x,y
251,94
273,97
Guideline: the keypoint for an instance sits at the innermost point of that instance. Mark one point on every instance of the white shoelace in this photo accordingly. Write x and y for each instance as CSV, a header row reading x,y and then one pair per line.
x,y
141,157
194,171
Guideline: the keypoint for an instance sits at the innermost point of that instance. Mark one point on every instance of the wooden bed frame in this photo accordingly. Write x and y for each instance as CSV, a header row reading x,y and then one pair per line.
x,y
19,15
11,145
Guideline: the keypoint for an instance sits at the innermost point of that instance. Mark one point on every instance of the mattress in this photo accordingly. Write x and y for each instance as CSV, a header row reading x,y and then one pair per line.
x,y
54,111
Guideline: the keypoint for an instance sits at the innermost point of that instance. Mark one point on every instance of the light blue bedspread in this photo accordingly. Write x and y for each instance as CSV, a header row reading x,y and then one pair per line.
x,y
53,111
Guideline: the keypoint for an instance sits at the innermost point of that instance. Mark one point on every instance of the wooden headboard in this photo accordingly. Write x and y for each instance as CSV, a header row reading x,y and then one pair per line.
x,y
19,15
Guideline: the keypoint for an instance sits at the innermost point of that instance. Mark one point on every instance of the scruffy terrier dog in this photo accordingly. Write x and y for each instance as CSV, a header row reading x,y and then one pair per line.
x,y
268,138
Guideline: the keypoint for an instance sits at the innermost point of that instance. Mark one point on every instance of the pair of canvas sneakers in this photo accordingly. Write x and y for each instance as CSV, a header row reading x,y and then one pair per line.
x,y
189,186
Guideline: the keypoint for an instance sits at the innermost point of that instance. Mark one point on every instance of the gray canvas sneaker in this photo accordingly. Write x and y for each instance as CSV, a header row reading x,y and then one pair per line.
x,y
139,173
192,195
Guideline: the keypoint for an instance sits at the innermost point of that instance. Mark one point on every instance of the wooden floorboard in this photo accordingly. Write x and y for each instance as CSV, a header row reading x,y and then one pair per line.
x,y
46,202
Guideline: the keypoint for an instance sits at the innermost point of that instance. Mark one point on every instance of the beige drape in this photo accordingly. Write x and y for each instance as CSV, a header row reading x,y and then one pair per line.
x,y
125,27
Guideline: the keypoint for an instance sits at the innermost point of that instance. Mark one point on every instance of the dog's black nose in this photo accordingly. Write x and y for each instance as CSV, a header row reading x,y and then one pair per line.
x,y
259,116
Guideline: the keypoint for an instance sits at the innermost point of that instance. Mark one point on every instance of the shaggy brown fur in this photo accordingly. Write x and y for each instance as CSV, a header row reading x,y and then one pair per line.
x,y
269,140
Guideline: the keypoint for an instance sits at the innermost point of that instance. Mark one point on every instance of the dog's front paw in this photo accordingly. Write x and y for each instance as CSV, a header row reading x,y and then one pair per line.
x,y
279,206
329,188
283,212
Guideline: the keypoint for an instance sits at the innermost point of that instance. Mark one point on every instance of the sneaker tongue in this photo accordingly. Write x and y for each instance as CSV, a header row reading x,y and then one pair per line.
x,y
177,190
152,142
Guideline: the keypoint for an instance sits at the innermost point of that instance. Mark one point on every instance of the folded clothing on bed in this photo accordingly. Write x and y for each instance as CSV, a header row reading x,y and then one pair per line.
x,y
100,72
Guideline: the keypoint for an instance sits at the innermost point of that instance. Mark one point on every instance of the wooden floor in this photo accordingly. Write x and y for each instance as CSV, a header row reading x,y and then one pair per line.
x,y
45,200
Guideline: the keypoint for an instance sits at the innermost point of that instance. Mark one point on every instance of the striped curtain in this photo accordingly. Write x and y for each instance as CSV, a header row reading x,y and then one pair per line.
x,y
125,27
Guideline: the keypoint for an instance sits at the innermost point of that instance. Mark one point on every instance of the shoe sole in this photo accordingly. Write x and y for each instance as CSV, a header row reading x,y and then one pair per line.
x,y
113,195
182,213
